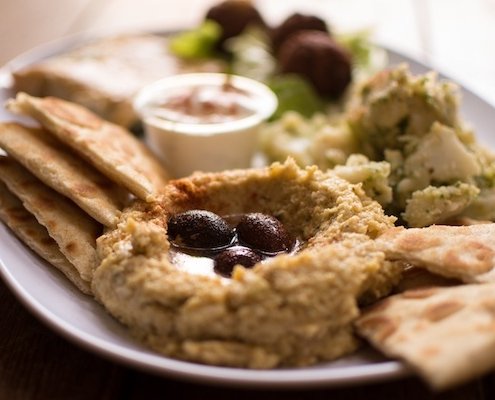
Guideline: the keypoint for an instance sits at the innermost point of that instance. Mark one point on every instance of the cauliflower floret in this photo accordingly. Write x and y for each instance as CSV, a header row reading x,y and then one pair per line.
x,y
443,156
436,204
412,122
394,107
313,141
482,208
439,157
289,136
419,159
372,175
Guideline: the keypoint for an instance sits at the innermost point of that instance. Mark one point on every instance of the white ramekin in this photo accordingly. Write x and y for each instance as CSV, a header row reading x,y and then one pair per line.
x,y
189,147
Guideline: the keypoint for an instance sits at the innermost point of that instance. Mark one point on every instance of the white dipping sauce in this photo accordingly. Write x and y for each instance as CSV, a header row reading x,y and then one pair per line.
x,y
204,122
206,104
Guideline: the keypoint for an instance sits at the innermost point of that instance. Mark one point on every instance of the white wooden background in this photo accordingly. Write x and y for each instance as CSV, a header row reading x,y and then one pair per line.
x,y
455,36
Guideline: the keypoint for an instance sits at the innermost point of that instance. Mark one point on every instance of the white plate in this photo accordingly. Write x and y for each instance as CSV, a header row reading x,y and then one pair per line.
x,y
48,295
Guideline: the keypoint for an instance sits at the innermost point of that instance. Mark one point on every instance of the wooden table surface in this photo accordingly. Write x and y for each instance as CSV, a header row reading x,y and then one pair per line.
x,y
36,363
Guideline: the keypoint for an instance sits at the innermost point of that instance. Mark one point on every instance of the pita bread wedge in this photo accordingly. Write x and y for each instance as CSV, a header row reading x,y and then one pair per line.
x,y
36,237
466,253
415,278
58,167
105,74
464,221
446,334
74,231
108,147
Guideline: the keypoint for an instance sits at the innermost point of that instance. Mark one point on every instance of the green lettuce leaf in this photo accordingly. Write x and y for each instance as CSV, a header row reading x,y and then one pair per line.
x,y
295,94
197,43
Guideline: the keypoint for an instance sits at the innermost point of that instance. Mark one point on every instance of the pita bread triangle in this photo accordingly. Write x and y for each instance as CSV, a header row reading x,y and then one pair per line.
x,y
35,236
466,253
108,147
447,334
74,231
59,168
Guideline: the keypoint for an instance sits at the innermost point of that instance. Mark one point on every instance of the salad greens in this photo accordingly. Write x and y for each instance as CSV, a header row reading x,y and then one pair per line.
x,y
250,55
197,43
295,94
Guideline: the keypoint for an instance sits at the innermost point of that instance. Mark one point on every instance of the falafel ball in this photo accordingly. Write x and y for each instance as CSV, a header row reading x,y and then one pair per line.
x,y
317,57
295,23
234,16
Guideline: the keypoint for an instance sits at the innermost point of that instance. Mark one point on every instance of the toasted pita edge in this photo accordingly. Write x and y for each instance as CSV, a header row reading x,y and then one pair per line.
x,y
446,334
63,171
25,226
73,230
466,253
73,124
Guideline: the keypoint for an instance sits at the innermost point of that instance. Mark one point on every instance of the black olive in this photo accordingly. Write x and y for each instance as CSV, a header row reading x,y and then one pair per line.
x,y
263,232
199,229
236,255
